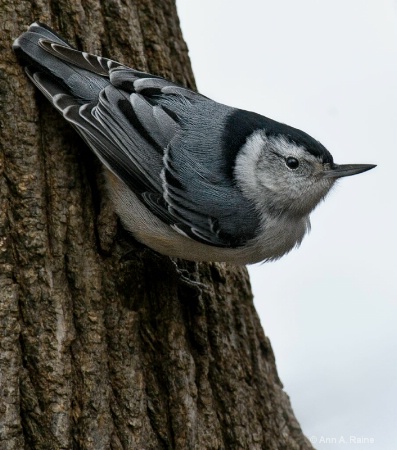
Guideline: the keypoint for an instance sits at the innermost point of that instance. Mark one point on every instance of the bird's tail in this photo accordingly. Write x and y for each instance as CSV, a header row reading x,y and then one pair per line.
x,y
57,68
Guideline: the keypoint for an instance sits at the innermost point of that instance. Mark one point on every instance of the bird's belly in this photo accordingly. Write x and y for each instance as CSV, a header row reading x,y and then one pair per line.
x,y
276,238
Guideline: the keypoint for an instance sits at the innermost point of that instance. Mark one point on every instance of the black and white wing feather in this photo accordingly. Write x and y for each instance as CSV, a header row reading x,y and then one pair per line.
x,y
140,126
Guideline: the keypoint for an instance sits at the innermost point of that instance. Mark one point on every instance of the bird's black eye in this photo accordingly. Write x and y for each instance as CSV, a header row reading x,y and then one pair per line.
x,y
292,162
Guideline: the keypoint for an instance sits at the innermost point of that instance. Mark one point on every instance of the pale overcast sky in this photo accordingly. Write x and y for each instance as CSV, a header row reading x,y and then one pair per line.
x,y
330,307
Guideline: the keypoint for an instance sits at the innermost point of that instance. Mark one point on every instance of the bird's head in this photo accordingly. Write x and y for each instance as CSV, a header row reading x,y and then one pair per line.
x,y
285,171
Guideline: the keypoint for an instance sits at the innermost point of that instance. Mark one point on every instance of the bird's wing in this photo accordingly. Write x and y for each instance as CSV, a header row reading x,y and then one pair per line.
x,y
132,126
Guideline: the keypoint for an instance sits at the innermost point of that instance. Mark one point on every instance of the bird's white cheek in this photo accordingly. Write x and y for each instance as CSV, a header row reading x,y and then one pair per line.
x,y
246,167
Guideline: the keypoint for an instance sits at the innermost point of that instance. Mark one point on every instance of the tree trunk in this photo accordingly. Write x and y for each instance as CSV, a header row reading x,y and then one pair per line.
x,y
104,344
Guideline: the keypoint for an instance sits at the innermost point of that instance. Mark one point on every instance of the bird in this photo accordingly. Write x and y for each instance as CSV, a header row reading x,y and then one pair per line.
x,y
189,177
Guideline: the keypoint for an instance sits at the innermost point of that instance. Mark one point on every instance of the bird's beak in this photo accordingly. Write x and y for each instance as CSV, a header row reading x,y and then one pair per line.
x,y
345,170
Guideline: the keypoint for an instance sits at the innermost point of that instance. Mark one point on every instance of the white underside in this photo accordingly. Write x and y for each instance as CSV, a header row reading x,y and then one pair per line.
x,y
277,238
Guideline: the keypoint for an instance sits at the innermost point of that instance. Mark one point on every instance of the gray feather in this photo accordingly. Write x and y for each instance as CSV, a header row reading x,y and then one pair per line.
x,y
151,133
91,63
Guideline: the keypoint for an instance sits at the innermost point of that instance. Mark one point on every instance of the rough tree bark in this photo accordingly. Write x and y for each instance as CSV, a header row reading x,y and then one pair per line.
x,y
103,345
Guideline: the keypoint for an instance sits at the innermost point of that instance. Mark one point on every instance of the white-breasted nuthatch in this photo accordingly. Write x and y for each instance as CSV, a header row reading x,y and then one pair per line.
x,y
189,177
